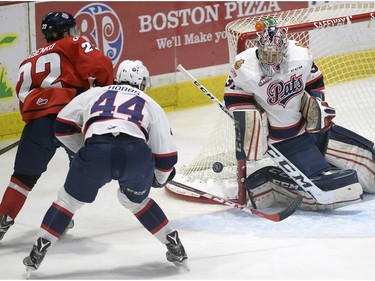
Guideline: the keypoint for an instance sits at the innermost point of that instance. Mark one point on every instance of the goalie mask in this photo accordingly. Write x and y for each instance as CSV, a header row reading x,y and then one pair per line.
x,y
55,24
272,44
134,73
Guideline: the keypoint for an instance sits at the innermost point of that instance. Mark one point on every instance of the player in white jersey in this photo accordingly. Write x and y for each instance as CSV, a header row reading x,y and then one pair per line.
x,y
118,133
279,80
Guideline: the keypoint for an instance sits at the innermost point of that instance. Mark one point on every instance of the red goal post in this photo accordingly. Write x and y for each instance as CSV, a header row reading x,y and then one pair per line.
x,y
317,24
341,38
241,32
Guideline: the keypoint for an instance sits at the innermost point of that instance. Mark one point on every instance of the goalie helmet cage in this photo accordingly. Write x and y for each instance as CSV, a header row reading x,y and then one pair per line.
x,y
341,38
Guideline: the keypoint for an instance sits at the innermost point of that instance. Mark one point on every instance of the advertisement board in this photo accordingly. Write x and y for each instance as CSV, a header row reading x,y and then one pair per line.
x,y
162,34
14,48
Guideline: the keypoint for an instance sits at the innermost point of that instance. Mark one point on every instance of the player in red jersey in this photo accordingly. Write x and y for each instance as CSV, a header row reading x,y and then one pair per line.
x,y
48,79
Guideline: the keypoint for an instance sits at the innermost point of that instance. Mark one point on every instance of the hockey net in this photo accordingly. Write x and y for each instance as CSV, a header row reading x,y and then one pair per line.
x,y
341,38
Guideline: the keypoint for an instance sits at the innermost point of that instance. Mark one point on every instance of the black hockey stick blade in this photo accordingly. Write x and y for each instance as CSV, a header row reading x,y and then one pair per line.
x,y
9,147
276,217
283,214
292,207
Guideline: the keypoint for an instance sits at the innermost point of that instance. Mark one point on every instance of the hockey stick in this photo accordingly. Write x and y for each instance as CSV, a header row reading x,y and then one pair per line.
x,y
276,217
9,147
320,196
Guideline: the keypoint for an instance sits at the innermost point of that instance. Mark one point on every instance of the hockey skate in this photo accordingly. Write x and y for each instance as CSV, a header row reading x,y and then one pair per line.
x,y
176,252
33,261
5,223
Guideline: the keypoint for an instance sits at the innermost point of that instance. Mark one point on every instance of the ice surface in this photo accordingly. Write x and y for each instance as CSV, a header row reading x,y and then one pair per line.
x,y
107,242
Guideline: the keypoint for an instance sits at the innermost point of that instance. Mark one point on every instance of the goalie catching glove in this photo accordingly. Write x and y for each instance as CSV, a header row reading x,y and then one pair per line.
x,y
157,184
317,113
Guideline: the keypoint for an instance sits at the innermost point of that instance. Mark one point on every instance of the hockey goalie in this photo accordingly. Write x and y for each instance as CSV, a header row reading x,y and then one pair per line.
x,y
278,85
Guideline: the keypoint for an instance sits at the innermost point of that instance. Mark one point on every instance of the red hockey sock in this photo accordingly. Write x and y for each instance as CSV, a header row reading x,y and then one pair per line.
x,y
13,200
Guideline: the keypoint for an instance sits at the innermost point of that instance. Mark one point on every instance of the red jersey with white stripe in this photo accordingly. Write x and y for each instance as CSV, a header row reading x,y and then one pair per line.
x,y
280,95
52,76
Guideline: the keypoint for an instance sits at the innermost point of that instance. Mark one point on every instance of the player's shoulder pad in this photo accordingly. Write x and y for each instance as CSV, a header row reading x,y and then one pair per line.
x,y
298,52
244,65
247,55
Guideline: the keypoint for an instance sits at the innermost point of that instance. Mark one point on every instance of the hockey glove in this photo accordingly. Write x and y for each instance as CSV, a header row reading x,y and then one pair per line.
x,y
317,113
157,184
324,119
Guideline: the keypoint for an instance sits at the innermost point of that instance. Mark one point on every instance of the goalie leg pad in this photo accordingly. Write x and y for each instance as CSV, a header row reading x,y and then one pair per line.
x,y
260,188
347,150
344,196
338,179
271,185
326,182
253,131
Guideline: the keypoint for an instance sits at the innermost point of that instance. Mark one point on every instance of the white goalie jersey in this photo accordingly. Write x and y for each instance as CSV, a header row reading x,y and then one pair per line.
x,y
280,95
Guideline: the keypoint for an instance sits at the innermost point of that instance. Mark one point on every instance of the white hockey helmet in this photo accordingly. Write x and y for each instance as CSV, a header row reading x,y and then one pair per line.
x,y
272,44
134,73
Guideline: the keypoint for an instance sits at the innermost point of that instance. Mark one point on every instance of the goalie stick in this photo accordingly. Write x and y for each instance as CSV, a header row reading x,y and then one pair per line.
x,y
9,147
276,217
320,196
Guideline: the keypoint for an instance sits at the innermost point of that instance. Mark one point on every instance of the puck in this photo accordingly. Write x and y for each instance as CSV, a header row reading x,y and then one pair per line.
x,y
217,167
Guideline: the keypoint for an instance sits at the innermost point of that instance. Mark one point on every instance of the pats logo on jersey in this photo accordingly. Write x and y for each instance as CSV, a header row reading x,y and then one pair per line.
x,y
238,63
100,25
280,92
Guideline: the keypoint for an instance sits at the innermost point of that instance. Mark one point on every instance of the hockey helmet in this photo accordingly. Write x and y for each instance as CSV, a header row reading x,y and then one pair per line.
x,y
55,24
134,73
272,44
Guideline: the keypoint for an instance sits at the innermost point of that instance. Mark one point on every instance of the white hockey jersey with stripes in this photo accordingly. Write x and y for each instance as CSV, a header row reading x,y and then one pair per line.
x,y
116,109
279,95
